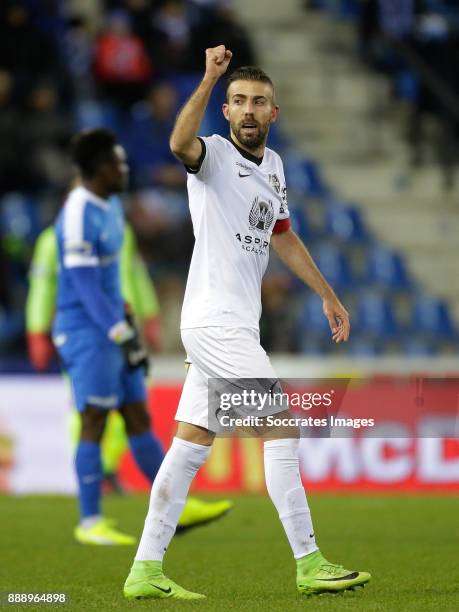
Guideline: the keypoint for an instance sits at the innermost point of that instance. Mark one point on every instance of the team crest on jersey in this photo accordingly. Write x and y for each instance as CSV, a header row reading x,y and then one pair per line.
x,y
275,183
261,214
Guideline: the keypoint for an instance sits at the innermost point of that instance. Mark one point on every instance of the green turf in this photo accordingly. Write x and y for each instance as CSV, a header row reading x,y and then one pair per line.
x,y
409,544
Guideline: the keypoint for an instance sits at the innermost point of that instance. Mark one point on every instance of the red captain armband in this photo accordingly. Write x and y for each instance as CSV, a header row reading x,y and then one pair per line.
x,y
281,226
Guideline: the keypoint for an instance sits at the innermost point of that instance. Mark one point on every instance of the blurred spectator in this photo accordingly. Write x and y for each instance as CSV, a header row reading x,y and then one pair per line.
x,y
79,55
141,15
223,28
24,50
415,42
146,139
121,65
45,131
11,163
90,11
171,36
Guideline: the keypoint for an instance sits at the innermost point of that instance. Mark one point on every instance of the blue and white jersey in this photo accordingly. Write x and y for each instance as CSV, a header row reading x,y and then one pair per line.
x,y
89,234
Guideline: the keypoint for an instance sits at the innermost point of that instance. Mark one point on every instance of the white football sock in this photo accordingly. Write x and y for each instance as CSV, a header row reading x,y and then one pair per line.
x,y
168,496
90,521
283,481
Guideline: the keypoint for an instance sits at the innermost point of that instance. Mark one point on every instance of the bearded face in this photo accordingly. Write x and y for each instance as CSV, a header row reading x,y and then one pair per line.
x,y
250,111
251,133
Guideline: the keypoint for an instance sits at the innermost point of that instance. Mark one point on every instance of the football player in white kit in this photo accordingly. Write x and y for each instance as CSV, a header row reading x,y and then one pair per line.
x,y
238,205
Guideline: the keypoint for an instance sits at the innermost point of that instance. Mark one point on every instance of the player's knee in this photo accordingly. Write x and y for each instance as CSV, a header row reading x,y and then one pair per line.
x,y
195,434
136,418
92,424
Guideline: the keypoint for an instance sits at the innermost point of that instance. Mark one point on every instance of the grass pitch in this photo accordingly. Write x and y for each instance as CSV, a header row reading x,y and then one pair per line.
x,y
243,562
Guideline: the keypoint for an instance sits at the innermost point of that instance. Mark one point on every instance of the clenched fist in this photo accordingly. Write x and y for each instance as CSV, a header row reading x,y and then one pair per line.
x,y
217,60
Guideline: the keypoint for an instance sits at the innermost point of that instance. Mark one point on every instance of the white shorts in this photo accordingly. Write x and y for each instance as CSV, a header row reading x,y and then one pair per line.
x,y
218,352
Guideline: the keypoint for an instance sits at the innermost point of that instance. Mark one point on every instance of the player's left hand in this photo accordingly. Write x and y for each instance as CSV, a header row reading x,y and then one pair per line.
x,y
135,354
338,319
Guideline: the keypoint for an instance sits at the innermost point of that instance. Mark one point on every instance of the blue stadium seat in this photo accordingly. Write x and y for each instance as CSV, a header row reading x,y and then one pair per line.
x,y
375,317
11,327
334,265
313,323
431,317
214,121
310,345
276,140
348,10
304,176
345,223
300,223
19,216
93,114
387,269
407,85
185,83
341,9
364,347
418,347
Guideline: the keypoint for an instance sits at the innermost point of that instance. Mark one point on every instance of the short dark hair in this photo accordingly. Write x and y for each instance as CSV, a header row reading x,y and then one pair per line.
x,y
90,148
248,73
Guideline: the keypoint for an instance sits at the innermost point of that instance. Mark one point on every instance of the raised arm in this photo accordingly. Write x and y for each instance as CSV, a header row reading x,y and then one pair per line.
x,y
296,257
183,142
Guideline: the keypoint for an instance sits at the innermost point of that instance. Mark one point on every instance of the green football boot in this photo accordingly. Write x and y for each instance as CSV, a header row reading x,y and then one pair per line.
x,y
103,533
147,581
316,575
197,512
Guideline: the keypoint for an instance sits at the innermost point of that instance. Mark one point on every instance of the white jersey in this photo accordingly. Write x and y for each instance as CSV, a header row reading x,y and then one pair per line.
x,y
236,202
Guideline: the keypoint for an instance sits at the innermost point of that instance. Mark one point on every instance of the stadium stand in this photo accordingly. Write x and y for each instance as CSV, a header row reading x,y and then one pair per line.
x,y
66,77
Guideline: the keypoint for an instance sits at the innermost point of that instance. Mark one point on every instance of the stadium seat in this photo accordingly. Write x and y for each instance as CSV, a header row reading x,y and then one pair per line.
x,y
304,176
19,216
313,323
418,347
334,265
407,85
213,122
344,9
310,345
345,223
432,318
387,269
11,327
185,83
300,223
375,316
92,114
364,347
277,140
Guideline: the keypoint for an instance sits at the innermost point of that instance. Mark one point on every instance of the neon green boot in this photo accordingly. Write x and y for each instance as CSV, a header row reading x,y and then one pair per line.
x,y
316,575
146,580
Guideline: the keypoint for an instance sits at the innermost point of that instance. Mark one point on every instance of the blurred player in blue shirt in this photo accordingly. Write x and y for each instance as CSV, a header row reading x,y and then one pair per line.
x,y
94,335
